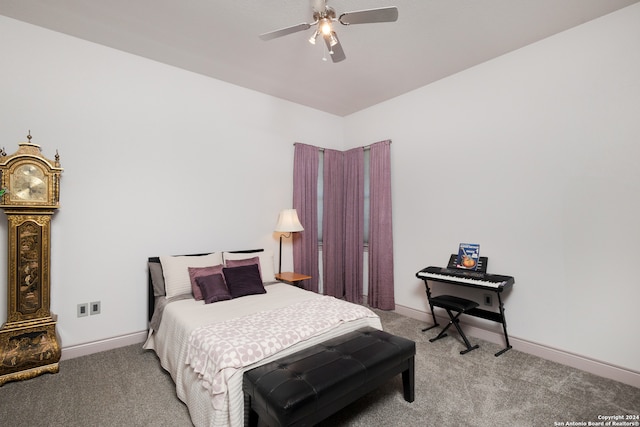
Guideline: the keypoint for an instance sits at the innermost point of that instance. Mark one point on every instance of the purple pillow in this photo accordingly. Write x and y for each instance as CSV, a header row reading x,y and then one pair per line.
x,y
213,288
246,261
195,272
243,280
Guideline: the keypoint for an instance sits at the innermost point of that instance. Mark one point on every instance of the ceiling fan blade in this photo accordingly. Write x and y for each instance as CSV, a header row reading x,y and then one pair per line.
x,y
338,54
383,14
284,31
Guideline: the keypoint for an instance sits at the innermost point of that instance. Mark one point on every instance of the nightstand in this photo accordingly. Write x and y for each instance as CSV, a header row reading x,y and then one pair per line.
x,y
292,278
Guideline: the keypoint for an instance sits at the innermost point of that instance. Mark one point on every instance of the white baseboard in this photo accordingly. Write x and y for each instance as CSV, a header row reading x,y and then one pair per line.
x,y
103,345
577,361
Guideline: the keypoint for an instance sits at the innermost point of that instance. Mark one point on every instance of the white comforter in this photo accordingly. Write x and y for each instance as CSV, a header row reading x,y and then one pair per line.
x,y
180,318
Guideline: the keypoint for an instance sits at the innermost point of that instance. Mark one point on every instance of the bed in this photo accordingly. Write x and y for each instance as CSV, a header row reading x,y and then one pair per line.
x,y
184,330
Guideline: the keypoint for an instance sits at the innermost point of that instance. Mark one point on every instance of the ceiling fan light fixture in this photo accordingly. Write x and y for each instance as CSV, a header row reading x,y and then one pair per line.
x,y
325,26
323,18
314,36
333,40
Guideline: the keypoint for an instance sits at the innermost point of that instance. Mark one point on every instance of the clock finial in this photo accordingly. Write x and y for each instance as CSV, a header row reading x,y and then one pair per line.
x,y
31,144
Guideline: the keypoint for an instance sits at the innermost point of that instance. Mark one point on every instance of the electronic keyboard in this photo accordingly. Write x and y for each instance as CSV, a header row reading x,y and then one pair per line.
x,y
470,278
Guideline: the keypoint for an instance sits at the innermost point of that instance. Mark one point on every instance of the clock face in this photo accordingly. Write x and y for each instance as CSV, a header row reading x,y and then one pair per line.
x,y
29,184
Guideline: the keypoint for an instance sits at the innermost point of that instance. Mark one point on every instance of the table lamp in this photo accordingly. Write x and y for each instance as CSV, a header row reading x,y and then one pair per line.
x,y
288,223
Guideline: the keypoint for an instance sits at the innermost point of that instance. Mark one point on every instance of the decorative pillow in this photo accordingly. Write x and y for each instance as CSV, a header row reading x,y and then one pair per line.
x,y
248,261
195,272
243,280
157,280
213,288
267,271
175,270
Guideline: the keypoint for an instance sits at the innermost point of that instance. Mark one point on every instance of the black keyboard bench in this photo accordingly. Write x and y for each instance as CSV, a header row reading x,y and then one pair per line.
x,y
460,306
306,387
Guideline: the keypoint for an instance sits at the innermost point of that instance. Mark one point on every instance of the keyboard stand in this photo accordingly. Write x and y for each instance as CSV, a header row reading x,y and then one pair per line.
x,y
498,317
433,314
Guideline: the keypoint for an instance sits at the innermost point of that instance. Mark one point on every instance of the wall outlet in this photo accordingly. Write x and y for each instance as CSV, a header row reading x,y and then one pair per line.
x,y
488,300
83,309
95,307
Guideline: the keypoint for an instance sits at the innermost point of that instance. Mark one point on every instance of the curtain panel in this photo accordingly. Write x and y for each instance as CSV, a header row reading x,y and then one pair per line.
x,y
354,224
343,222
305,201
333,224
381,286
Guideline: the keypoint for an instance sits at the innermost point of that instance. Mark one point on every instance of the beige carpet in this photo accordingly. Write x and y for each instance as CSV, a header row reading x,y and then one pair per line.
x,y
127,387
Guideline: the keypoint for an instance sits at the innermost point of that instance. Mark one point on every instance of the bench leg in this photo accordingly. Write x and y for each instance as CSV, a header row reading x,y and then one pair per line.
x,y
455,322
408,381
250,416
443,332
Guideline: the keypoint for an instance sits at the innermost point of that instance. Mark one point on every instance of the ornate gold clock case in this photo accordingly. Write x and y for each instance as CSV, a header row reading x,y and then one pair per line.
x,y
30,187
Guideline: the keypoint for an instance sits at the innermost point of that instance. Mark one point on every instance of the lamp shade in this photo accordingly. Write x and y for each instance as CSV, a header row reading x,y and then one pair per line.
x,y
288,221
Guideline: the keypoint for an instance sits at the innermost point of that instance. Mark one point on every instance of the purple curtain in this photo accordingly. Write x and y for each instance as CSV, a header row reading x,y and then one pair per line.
x,y
381,287
305,201
353,224
333,224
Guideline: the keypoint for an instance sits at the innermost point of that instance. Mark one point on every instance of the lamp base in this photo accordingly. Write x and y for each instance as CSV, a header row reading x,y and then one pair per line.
x,y
280,257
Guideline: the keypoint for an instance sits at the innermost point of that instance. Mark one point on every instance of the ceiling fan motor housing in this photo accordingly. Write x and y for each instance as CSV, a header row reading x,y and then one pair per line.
x,y
328,13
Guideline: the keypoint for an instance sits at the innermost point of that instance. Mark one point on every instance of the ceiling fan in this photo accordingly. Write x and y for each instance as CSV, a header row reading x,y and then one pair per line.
x,y
323,18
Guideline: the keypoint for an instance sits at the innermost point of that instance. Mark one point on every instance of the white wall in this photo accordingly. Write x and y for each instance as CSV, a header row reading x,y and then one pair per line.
x,y
156,161
531,155
535,156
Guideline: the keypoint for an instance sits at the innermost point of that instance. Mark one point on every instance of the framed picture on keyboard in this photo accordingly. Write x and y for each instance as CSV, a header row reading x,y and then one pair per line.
x,y
468,256
481,264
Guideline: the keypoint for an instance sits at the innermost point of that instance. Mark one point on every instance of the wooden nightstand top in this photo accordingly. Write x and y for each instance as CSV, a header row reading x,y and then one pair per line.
x,y
287,276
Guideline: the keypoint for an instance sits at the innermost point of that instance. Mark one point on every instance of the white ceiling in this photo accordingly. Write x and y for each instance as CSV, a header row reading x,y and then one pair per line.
x,y
432,39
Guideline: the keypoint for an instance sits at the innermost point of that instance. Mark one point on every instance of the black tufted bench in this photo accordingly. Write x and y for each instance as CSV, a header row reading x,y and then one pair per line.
x,y
306,387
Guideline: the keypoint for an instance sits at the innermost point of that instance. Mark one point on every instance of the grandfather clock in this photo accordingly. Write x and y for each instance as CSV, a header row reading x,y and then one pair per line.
x,y
30,189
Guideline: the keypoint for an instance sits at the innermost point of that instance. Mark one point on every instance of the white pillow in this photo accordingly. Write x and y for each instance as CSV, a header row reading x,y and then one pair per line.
x,y
266,262
175,270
